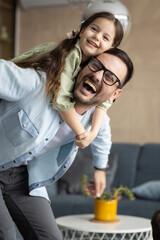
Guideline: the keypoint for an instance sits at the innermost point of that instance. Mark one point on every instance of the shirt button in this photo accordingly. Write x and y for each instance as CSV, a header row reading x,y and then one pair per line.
x,y
60,122
24,125
46,139
30,152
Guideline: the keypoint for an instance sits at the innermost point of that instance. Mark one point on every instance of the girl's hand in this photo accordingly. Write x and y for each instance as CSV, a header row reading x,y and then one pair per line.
x,y
84,139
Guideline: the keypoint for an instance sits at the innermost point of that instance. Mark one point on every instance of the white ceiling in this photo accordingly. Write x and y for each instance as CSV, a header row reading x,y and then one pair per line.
x,y
26,4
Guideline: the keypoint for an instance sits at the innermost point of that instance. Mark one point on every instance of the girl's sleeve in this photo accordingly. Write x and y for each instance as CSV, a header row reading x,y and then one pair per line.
x,y
36,51
105,106
64,100
16,82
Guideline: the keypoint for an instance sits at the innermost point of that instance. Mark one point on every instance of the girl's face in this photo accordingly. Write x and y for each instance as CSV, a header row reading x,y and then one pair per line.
x,y
96,38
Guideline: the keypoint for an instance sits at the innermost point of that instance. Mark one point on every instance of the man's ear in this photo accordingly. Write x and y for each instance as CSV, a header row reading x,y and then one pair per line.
x,y
115,95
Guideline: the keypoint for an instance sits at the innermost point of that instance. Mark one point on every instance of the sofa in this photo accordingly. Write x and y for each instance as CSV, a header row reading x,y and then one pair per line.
x,y
134,165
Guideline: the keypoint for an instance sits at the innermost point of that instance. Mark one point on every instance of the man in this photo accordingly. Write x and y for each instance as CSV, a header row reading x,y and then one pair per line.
x,y
86,98
32,133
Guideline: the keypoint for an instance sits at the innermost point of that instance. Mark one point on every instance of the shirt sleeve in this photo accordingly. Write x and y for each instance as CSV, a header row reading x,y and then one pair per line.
x,y
36,51
105,106
16,82
101,146
64,100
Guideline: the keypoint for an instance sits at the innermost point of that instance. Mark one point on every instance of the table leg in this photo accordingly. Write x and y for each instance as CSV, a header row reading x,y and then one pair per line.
x,y
70,234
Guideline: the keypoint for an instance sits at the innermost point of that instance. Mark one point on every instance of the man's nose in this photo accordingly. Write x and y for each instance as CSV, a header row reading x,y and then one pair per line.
x,y
99,75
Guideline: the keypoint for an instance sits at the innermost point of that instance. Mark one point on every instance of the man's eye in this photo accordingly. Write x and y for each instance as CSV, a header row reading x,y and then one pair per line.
x,y
95,66
109,78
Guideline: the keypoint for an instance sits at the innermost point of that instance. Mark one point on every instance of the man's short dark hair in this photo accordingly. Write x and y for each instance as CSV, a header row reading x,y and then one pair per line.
x,y
125,58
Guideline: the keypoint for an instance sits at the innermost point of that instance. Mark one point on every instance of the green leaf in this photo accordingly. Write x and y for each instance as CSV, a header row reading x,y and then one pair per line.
x,y
84,182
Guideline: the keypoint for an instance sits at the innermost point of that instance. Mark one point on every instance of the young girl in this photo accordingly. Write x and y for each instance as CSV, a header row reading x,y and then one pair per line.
x,y
97,34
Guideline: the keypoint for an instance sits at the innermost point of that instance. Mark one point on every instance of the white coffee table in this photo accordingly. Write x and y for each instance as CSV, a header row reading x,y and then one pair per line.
x,y
80,227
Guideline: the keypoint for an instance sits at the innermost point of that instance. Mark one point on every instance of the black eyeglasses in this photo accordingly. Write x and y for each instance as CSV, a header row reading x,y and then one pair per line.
x,y
108,77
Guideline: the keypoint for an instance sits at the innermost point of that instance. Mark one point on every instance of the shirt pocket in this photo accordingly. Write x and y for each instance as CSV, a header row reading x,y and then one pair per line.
x,y
19,128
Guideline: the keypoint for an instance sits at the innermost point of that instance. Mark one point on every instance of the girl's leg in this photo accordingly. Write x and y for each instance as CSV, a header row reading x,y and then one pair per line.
x,y
32,215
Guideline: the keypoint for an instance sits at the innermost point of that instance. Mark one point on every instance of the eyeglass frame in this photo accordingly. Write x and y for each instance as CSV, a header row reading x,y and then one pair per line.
x,y
105,70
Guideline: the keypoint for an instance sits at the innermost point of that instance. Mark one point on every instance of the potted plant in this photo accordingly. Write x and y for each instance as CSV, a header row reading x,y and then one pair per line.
x,y
105,207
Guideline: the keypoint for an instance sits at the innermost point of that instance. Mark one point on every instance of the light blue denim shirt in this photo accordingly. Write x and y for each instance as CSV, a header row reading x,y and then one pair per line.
x,y
28,122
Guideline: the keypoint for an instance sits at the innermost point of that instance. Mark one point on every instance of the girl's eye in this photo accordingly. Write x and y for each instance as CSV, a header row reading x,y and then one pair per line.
x,y
94,29
106,38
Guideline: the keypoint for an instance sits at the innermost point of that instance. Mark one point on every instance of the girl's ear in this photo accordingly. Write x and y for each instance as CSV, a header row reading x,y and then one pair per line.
x,y
115,95
81,32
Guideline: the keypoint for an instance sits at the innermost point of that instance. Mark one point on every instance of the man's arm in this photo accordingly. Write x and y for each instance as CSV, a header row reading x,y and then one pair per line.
x,y
100,148
14,81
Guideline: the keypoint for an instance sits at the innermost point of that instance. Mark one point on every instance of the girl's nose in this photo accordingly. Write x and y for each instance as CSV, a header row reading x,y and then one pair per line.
x,y
97,36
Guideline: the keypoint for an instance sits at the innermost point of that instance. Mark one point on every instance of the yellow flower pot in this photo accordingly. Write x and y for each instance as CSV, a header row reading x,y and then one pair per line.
x,y
105,210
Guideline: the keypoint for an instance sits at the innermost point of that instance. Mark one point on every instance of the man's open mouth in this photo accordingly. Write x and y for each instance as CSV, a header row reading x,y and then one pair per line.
x,y
89,86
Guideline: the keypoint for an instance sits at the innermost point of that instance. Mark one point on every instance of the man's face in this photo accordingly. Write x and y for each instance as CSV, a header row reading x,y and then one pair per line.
x,y
90,90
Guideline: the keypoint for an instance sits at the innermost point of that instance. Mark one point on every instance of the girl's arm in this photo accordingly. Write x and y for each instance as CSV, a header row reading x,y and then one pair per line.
x,y
98,117
83,138
86,138
72,120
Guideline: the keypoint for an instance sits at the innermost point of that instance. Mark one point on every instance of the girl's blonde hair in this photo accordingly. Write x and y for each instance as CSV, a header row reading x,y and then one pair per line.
x,y
53,62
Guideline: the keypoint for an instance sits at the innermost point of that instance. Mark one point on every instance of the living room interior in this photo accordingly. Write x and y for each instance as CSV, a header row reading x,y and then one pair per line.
x,y
134,117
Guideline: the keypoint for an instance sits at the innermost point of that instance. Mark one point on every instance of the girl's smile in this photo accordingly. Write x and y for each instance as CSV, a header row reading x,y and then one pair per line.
x,y
96,38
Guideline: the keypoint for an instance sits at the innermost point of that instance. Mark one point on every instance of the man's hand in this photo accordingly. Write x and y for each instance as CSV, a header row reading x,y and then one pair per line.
x,y
96,187
100,182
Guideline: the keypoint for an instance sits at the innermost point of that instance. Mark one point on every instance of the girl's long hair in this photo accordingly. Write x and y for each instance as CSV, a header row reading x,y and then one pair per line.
x,y
53,62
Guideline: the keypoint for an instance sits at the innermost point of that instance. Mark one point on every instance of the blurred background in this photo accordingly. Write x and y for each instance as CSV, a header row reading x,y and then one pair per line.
x,y
135,116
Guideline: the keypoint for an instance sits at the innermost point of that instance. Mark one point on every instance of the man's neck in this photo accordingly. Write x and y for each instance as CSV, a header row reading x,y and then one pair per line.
x,y
81,109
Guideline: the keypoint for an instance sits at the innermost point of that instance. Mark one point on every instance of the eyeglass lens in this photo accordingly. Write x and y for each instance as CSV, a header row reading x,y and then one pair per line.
x,y
108,77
